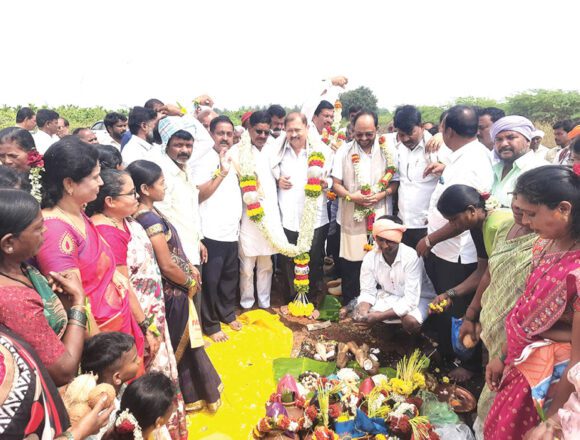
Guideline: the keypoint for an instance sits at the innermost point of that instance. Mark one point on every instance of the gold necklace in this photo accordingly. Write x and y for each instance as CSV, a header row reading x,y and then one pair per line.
x,y
69,218
114,221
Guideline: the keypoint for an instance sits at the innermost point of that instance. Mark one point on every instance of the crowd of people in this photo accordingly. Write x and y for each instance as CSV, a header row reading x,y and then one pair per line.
x,y
120,248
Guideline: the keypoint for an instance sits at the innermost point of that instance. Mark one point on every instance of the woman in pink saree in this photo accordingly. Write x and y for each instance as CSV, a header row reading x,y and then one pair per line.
x,y
543,328
73,243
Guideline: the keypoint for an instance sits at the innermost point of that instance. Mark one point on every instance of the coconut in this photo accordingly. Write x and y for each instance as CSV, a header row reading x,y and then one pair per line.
x,y
468,341
77,412
102,388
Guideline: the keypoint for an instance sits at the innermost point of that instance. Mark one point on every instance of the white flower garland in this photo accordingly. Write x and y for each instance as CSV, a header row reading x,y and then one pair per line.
x,y
126,422
280,243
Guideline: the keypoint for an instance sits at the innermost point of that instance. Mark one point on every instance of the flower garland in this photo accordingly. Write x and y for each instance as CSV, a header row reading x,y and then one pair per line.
x,y
127,423
36,164
249,185
333,135
368,213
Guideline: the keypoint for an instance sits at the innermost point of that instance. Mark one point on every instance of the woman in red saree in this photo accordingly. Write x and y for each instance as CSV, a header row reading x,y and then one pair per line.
x,y
73,243
543,328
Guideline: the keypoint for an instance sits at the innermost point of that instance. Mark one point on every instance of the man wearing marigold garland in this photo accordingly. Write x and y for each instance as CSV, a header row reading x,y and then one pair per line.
x,y
293,168
394,285
363,184
254,250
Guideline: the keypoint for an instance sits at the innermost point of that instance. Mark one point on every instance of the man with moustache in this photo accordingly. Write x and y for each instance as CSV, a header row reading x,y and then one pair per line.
x,y
221,210
512,136
181,203
293,166
394,285
486,118
115,127
372,166
254,250
142,121
277,113
415,188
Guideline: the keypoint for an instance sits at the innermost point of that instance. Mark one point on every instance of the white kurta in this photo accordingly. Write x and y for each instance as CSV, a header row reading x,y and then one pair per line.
x,y
181,207
252,241
403,287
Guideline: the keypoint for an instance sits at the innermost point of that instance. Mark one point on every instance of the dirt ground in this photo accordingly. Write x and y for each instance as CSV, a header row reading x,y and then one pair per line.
x,y
391,341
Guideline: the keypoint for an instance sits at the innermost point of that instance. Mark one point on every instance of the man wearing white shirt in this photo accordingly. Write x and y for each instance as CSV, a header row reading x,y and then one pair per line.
x,y
293,168
512,135
415,188
561,155
142,121
453,257
26,119
115,127
372,164
47,121
181,203
220,210
277,113
319,108
536,146
254,250
394,286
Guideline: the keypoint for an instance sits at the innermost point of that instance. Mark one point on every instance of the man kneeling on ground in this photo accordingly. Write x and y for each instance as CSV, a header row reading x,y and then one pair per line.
x,y
394,287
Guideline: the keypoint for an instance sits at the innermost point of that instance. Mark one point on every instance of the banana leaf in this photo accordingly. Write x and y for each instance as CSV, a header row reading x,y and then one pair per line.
x,y
329,308
297,366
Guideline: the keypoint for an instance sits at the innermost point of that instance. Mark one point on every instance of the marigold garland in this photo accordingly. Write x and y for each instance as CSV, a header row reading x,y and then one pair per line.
x,y
333,135
368,213
249,185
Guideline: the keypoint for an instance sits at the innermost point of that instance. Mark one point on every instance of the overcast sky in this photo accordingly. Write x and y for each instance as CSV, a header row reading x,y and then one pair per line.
x,y
119,53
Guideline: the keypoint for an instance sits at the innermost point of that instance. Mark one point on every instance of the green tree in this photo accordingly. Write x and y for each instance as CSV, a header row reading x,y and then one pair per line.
x,y
479,101
430,113
362,96
545,105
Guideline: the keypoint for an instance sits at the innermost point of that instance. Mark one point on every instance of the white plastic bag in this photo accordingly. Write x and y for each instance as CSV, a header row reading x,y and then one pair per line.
x,y
458,431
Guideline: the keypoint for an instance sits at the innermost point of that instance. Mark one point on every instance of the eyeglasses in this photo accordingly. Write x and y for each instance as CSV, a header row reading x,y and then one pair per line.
x,y
132,194
262,132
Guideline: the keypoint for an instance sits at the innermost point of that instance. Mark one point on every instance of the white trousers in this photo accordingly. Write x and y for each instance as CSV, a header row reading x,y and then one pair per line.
x,y
264,271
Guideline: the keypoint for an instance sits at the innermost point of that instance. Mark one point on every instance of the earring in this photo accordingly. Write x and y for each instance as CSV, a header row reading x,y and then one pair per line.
x,y
10,249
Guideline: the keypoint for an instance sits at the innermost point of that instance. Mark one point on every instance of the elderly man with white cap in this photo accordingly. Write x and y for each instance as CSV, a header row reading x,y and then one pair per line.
x,y
512,136
536,144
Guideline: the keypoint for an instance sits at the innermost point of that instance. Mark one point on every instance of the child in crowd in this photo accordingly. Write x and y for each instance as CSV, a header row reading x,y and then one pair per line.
x,y
146,406
113,357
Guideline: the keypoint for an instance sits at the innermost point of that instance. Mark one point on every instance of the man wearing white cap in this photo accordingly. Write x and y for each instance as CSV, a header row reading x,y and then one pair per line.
x,y
536,144
512,136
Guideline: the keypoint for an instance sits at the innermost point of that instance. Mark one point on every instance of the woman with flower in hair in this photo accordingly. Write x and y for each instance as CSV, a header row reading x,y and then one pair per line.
x,y
466,209
543,328
18,151
72,243
146,406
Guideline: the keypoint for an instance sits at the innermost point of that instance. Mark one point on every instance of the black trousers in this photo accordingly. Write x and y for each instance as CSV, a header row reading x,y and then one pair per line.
x,y
221,276
316,262
411,237
350,271
446,275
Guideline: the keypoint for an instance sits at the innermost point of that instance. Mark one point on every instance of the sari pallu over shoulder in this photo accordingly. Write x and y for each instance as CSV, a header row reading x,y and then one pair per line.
x,y
66,248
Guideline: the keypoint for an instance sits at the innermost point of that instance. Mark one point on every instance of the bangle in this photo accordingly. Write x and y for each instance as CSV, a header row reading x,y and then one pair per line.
x,y
77,315
347,198
189,283
428,242
68,435
77,323
451,293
